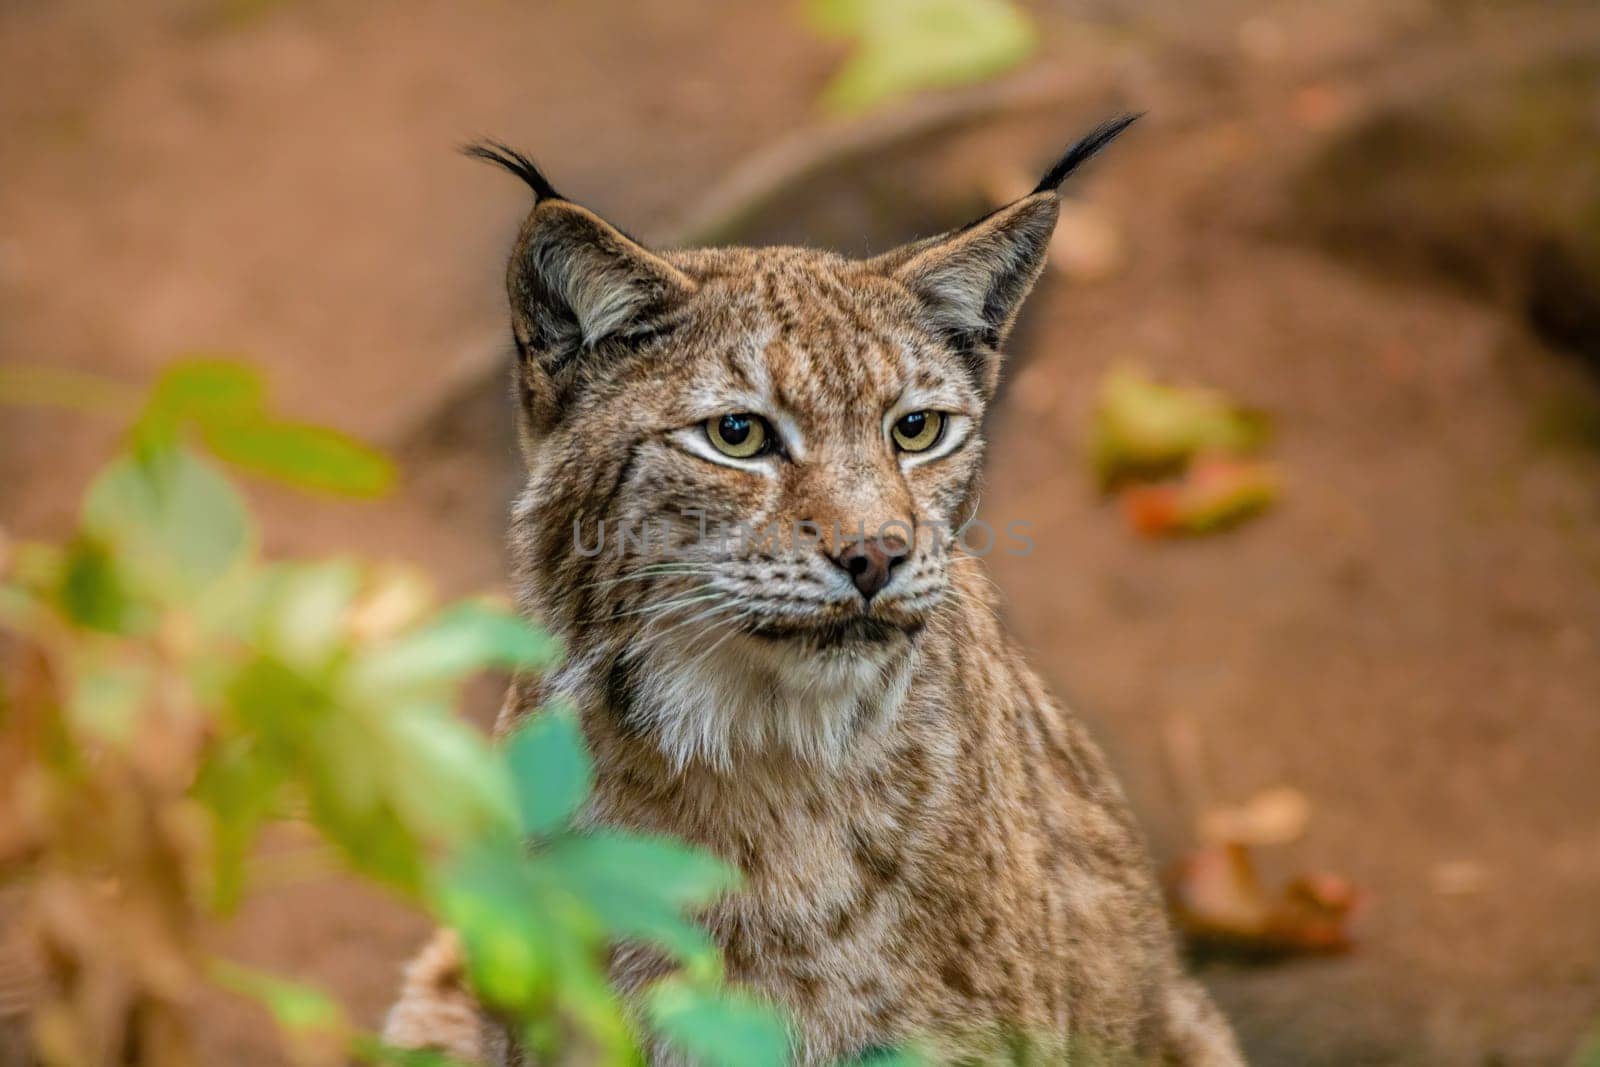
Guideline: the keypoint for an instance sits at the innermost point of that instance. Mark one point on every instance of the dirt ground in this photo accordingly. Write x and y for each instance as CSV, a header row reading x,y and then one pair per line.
x,y
1412,638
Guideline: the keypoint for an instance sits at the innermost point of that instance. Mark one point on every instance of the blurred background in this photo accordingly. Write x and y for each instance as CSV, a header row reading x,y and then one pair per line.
x,y
1375,221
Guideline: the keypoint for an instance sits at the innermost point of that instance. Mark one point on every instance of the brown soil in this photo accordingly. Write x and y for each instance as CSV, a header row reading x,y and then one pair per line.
x,y
1412,638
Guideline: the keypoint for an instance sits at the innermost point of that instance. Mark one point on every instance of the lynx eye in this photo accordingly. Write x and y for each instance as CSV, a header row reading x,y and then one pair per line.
x,y
740,436
918,431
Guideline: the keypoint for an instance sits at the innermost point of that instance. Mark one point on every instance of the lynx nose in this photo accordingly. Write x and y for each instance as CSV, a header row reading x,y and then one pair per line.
x,y
871,562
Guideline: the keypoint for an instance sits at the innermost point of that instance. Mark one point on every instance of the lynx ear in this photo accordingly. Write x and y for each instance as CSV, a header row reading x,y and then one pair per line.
x,y
972,281
577,284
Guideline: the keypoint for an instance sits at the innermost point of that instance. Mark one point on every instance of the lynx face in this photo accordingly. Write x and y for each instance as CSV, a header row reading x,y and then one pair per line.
x,y
756,499
745,465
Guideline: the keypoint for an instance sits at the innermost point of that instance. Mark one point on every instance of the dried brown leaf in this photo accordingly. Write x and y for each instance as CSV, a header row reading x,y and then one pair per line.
x,y
1221,904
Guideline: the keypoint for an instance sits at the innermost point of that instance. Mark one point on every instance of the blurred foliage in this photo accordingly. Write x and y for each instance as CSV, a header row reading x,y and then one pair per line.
x,y
170,695
1144,428
905,45
1214,494
1178,456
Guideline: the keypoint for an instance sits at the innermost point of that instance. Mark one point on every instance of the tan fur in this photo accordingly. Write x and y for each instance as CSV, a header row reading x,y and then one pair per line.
x,y
931,846
435,1009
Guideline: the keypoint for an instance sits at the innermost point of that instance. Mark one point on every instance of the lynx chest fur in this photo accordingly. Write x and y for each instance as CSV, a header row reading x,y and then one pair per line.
x,y
747,472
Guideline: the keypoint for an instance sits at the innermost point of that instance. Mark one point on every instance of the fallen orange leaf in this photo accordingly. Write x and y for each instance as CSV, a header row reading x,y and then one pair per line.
x,y
1215,493
1220,902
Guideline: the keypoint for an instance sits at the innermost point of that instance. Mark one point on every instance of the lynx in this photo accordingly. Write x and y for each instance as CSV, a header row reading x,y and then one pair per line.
x,y
931,847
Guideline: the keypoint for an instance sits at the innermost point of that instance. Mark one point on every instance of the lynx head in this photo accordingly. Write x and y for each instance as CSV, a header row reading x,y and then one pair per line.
x,y
744,466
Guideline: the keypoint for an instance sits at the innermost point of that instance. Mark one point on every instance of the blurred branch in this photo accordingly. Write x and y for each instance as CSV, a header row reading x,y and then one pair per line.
x,y
774,171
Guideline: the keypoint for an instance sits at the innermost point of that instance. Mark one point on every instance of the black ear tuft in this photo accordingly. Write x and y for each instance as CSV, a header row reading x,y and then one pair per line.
x,y
1083,151
517,163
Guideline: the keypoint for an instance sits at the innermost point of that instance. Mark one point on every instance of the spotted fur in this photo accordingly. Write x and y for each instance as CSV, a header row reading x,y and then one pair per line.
x,y
931,846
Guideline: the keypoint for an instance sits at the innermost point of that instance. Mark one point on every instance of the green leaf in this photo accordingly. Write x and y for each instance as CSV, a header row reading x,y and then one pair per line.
x,y
239,787
301,455
195,389
345,761
906,45
174,525
303,608
16,605
585,993
203,387
297,1007
368,1049
225,401
837,18
276,704
444,779
639,888
375,844
550,770
680,875
91,592
468,637
1143,427
721,1028
487,898
107,697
